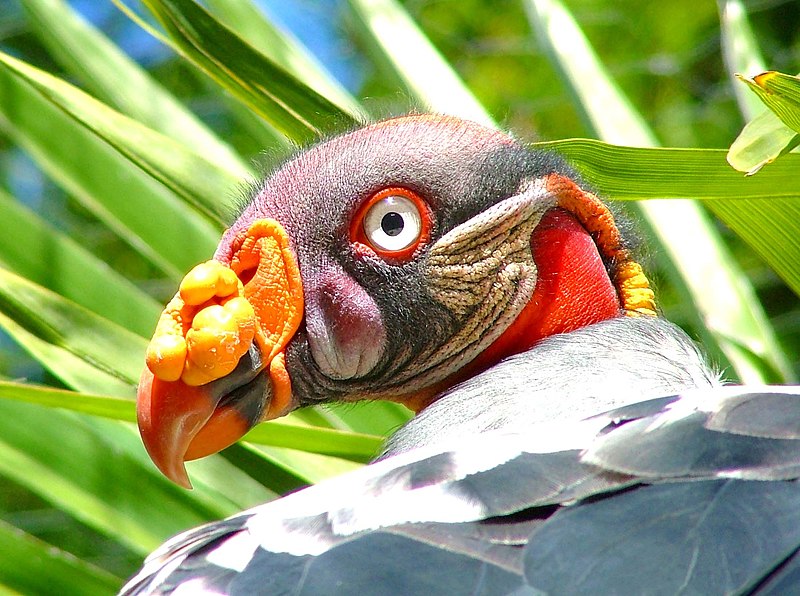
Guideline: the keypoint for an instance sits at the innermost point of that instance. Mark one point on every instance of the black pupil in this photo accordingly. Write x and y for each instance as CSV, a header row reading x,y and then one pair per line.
x,y
392,224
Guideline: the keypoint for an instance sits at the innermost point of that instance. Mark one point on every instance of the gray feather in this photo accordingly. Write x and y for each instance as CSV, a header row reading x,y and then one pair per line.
x,y
564,377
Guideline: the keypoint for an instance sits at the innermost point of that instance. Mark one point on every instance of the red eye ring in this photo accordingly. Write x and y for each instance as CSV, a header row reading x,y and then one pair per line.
x,y
392,217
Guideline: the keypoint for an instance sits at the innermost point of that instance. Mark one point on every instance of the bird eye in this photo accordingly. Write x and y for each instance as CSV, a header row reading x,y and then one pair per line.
x,y
393,223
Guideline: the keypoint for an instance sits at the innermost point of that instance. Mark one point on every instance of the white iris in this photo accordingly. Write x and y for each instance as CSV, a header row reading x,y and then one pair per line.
x,y
393,223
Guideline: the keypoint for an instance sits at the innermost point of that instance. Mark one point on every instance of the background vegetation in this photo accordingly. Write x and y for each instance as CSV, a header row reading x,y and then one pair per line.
x,y
120,157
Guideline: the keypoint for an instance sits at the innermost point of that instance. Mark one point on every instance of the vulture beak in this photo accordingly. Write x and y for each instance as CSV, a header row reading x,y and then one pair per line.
x,y
215,365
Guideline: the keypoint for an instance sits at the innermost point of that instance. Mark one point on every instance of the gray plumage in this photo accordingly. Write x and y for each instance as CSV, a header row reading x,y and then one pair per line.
x,y
564,377
655,496
704,508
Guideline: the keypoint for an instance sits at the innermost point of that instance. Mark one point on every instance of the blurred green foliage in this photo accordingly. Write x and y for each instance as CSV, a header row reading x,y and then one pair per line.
x,y
667,58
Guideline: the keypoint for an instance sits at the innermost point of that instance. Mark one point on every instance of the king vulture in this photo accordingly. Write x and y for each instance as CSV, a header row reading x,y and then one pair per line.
x,y
567,439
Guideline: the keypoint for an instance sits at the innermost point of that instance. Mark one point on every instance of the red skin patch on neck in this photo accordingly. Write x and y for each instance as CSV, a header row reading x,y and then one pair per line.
x,y
573,290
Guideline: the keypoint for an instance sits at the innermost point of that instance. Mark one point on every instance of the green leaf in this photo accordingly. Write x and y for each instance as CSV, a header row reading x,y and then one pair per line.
x,y
310,468
83,468
280,46
780,93
289,433
40,319
614,119
35,567
418,63
42,254
277,96
111,75
136,207
342,444
763,140
740,51
189,175
372,417
774,133
104,406
651,172
605,109
70,369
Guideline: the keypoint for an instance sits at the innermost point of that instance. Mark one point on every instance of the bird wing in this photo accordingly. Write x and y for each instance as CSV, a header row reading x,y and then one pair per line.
x,y
687,493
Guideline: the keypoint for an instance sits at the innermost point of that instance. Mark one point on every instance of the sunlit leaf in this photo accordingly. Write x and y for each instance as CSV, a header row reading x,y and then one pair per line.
x,y
311,467
763,140
417,62
764,137
773,133
647,173
130,202
31,566
615,120
280,46
187,173
780,93
372,417
337,443
606,109
741,52
42,254
111,75
49,319
115,408
83,467
72,370
276,95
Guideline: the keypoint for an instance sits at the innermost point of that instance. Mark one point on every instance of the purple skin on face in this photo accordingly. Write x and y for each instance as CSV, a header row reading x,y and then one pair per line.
x,y
372,327
345,329
364,316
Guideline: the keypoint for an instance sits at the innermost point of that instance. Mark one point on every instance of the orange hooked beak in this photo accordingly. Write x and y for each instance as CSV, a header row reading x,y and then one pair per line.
x,y
215,365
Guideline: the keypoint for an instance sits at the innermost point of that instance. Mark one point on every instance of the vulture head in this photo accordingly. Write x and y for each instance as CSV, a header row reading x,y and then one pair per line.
x,y
391,262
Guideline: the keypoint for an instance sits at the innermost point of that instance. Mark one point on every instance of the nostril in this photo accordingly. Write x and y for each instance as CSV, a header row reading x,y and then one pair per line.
x,y
247,275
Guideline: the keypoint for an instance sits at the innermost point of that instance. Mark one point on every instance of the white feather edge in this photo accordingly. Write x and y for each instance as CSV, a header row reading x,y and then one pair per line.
x,y
383,497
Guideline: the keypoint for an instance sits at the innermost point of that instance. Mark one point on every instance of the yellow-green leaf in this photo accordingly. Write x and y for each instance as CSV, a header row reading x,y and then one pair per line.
x,y
43,254
186,172
780,93
276,95
288,433
113,351
776,131
133,205
31,566
111,75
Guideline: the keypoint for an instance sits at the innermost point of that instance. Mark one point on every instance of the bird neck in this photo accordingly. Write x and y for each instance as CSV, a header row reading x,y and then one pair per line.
x,y
573,290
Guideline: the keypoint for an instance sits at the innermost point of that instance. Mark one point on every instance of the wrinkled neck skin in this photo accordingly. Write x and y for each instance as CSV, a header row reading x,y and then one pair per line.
x,y
568,376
